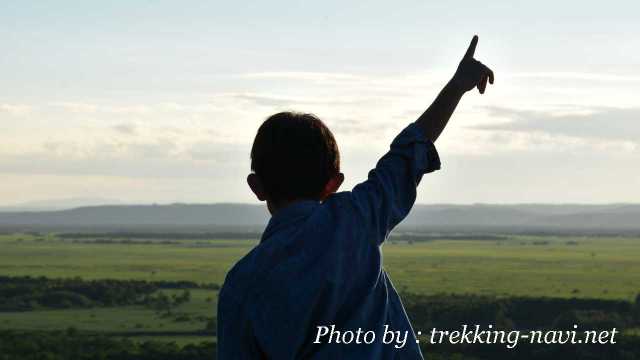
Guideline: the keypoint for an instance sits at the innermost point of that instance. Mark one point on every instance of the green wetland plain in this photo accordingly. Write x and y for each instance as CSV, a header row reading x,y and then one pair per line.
x,y
501,267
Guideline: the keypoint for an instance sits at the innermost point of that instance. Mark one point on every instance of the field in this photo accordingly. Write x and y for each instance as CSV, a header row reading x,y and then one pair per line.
x,y
581,267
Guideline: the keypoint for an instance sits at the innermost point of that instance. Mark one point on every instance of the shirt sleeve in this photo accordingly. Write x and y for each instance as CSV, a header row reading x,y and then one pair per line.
x,y
389,192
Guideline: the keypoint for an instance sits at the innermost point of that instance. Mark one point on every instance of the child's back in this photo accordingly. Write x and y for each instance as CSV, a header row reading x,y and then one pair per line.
x,y
319,264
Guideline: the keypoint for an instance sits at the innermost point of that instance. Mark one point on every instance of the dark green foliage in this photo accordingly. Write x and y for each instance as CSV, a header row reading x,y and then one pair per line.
x,y
159,302
118,236
636,309
450,312
212,326
28,293
590,319
64,299
162,303
15,345
627,348
541,312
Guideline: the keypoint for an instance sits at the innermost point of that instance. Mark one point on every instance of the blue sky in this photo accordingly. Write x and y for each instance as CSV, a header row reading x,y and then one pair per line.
x,y
158,101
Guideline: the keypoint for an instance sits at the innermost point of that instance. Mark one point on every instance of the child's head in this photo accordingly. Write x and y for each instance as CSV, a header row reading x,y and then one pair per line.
x,y
294,157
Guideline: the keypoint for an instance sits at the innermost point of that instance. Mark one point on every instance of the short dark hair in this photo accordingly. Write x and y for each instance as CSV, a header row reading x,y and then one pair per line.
x,y
294,155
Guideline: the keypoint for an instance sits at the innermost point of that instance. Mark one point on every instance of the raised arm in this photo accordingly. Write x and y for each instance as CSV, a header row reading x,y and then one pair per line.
x,y
471,73
389,192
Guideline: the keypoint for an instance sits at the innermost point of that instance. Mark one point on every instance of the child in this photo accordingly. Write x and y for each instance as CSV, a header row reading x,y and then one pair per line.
x,y
319,265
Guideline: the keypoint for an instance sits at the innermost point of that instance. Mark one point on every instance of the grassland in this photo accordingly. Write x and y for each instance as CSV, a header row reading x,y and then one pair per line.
x,y
607,268
566,267
136,322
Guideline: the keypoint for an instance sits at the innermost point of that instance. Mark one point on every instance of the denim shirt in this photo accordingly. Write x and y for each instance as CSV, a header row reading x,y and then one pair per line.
x,y
320,264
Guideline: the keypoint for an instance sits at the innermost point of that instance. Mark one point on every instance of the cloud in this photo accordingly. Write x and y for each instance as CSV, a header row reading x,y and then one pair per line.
x,y
132,109
320,77
160,148
15,110
358,85
359,127
273,100
76,107
599,77
159,157
218,152
263,99
91,108
125,128
603,123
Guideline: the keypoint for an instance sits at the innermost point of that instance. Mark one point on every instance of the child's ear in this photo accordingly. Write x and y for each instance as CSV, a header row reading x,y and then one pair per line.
x,y
256,186
332,185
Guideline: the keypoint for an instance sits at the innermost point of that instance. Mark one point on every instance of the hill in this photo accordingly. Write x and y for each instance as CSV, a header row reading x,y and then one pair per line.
x,y
614,218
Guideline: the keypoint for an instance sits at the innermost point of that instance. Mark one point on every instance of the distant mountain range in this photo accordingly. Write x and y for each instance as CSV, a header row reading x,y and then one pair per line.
x,y
59,204
614,218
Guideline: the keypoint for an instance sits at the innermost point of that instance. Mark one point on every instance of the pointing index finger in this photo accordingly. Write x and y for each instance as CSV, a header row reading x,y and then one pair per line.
x,y
472,48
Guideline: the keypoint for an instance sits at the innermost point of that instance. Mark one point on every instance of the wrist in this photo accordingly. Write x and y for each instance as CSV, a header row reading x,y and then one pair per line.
x,y
456,86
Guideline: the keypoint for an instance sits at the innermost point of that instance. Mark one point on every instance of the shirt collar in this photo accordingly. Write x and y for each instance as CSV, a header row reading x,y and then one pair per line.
x,y
292,212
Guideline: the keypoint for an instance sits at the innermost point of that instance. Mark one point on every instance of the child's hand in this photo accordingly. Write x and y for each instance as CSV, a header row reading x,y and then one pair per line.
x,y
471,72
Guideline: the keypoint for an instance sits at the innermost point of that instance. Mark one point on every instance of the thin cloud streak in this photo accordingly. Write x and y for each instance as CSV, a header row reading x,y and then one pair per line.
x,y
576,76
599,123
